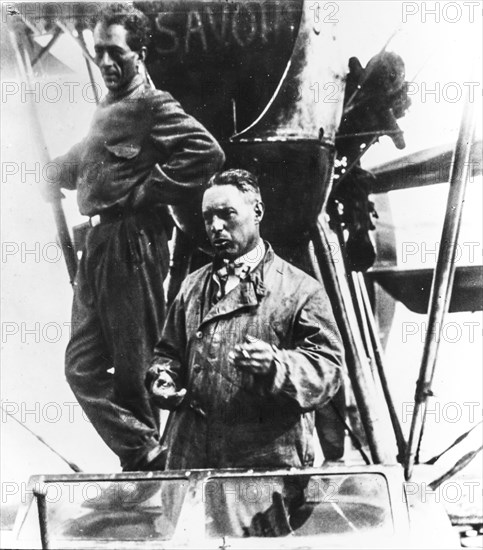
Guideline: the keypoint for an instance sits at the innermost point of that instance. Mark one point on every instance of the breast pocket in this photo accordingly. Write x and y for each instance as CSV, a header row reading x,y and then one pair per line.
x,y
124,151
125,166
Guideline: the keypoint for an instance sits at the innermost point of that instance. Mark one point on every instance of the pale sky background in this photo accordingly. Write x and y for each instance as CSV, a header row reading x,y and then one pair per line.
x,y
36,289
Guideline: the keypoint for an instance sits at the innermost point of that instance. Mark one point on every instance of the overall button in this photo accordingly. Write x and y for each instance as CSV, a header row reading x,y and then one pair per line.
x,y
199,335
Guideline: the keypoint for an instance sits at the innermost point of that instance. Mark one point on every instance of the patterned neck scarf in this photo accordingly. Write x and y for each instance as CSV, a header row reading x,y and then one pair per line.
x,y
234,271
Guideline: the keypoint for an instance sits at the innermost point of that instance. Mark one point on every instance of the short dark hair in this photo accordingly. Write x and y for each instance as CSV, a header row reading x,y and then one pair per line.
x,y
243,180
132,19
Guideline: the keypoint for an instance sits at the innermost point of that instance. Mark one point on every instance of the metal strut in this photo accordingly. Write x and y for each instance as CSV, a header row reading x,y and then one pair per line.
x,y
442,280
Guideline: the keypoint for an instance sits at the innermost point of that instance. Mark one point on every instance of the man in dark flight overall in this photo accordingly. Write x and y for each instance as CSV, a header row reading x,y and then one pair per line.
x,y
142,152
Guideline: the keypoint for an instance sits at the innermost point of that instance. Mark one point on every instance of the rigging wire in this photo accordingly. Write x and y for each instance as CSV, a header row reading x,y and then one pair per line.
x,y
72,465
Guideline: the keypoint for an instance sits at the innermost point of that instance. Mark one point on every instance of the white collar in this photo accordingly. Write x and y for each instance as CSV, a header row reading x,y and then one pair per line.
x,y
253,257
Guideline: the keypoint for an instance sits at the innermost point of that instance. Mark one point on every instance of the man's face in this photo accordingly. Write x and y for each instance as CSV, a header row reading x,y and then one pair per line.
x,y
118,63
232,220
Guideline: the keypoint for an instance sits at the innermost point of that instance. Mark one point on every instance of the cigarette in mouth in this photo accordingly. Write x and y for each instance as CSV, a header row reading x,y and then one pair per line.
x,y
245,353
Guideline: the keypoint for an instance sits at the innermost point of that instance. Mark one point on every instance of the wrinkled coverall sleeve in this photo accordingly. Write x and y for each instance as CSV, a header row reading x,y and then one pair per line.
x,y
310,373
68,166
193,153
169,351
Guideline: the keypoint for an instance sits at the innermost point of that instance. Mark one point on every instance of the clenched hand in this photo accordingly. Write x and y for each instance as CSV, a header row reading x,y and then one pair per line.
x,y
162,389
254,356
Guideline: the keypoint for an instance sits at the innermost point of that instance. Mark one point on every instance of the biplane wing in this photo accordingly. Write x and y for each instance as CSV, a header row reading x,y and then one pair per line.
x,y
424,167
412,287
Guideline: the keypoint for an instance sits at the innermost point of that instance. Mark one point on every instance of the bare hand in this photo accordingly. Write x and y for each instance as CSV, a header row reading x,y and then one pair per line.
x,y
253,356
163,389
